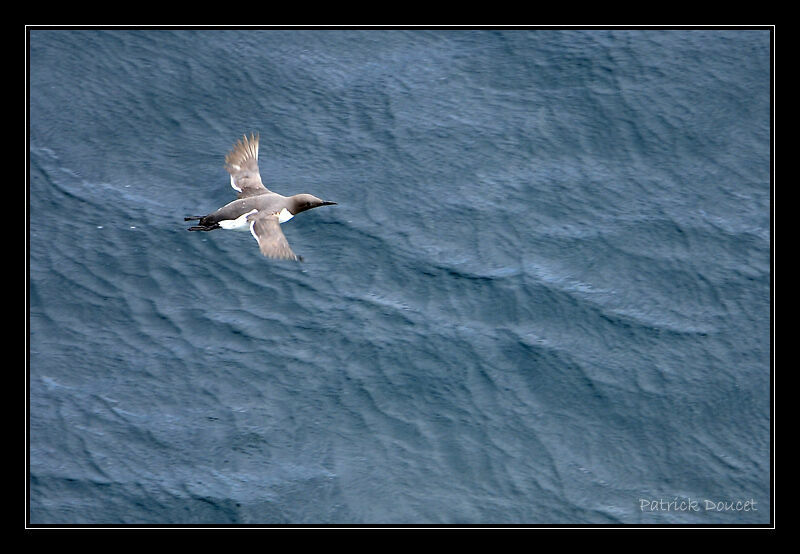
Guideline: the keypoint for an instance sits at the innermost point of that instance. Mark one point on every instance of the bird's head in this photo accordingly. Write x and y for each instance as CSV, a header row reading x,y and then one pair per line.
x,y
303,202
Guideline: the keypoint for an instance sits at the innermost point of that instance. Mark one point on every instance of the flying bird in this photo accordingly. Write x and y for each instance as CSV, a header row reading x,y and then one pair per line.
x,y
256,208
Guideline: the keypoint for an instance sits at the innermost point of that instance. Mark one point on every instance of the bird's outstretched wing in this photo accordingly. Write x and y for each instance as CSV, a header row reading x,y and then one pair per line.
x,y
266,229
242,164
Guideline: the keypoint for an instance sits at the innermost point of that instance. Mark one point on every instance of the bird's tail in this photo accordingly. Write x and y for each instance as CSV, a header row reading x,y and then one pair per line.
x,y
200,227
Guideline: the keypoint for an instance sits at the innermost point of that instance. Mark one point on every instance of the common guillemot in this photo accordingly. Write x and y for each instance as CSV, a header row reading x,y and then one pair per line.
x,y
257,208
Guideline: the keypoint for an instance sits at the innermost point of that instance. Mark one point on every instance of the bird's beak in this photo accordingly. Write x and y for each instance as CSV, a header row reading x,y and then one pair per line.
x,y
326,203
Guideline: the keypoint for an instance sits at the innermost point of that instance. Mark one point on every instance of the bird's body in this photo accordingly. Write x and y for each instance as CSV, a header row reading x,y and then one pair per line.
x,y
257,208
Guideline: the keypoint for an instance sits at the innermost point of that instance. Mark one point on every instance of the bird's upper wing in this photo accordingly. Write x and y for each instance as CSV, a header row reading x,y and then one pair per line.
x,y
242,164
266,229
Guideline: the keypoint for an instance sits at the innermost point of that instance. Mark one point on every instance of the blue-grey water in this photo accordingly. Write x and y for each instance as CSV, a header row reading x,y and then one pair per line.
x,y
542,298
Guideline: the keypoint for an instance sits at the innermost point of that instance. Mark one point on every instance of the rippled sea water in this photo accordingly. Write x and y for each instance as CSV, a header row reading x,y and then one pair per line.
x,y
542,298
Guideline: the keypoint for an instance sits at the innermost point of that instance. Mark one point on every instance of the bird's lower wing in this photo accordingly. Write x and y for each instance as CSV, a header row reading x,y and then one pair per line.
x,y
266,229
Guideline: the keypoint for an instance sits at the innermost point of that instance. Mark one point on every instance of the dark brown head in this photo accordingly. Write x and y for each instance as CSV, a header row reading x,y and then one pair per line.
x,y
303,202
